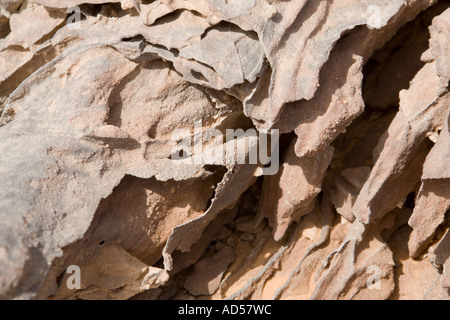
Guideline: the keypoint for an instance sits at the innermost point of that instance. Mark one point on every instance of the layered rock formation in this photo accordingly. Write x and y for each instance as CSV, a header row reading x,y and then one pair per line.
x,y
96,95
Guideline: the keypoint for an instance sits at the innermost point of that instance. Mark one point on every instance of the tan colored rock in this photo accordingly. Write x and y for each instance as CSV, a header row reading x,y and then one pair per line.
x,y
402,150
442,258
99,100
440,36
112,273
347,187
361,268
208,272
291,194
31,25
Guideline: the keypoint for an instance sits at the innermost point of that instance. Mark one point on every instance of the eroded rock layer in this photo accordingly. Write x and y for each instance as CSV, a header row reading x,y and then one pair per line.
x,y
113,119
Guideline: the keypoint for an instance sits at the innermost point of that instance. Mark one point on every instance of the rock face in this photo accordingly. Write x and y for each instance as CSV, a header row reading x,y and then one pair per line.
x,y
212,149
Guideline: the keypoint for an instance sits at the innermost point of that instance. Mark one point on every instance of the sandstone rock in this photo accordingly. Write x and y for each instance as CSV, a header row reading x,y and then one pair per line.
x,y
402,150
208,272
116,157
112,273
291,194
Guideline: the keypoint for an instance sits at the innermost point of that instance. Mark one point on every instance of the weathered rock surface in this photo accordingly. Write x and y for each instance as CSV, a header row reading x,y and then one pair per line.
x,y
116,165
